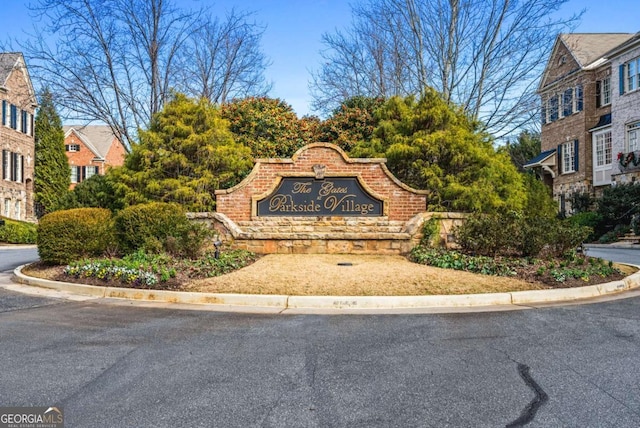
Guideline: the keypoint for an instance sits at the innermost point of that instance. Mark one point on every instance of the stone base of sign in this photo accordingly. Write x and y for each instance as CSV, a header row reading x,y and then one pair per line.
x,y
327,235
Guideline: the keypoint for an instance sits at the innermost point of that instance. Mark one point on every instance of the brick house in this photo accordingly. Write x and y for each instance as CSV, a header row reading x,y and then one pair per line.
x,y
91,150
580,109
16,137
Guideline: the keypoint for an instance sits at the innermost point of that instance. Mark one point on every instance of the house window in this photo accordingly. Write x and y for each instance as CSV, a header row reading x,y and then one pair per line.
x,y
579,98
603,148
603,92
73,147
18,210
568,152
633,137
7,207
14,117
17,167
562,105
553,109
90,171
567,102
75,177
630,76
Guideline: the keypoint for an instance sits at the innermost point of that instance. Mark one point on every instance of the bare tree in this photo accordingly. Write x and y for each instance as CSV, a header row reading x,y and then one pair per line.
x,y
112,61
485,56
223,60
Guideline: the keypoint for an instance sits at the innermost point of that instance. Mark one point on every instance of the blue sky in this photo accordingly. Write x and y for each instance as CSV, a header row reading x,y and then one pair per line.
x,y
294,28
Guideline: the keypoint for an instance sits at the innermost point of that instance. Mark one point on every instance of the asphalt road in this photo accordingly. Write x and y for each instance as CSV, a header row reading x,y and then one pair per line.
x,y
621,255
12,257
126,365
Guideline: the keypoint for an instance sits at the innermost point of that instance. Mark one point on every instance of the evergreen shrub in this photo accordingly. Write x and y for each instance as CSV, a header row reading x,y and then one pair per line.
x,y
18,232
69,235
158,227
514,234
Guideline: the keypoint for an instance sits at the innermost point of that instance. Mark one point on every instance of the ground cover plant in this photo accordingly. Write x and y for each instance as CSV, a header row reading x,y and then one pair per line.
x,y
153,271
572,270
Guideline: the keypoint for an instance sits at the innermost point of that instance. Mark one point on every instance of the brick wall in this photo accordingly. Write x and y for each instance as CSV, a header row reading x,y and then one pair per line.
x,y
395,232
401,201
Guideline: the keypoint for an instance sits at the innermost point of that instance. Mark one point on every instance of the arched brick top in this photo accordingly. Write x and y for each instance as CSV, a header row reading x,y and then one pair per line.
x,y
402,202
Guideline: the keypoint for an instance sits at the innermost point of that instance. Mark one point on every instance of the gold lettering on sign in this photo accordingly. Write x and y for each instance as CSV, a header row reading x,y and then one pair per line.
x,y
285,204
301,187
327,188
309,196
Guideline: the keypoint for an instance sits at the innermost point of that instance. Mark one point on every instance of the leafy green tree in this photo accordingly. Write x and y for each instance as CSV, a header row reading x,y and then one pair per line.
x,y
187,153
52,177
432,145
351,123
268,126
525,148
98,191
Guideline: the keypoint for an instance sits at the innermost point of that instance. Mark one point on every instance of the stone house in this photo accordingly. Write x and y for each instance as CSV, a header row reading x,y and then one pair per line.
x,y
91,150
577,100
18,104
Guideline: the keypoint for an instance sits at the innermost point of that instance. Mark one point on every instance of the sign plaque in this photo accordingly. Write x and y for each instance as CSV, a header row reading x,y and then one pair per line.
x,y
329,196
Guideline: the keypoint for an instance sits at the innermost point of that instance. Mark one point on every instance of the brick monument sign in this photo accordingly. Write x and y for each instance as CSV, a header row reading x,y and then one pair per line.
x,y
319,201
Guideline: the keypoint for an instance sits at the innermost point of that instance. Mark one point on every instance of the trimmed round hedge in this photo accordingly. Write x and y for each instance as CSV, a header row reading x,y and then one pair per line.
x,y
158,227
68,235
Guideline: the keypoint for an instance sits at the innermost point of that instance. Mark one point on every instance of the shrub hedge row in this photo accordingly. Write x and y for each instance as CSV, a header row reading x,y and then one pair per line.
x,y
515,234
18,232
69,235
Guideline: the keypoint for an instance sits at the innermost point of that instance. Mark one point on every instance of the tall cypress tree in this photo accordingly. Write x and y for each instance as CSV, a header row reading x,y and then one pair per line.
x,y
51,176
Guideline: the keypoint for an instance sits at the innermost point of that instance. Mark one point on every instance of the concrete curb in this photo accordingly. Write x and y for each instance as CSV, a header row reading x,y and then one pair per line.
x,y
338,302
17,246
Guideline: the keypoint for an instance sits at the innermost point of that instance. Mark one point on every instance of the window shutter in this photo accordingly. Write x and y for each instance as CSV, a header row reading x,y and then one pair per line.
x,y
598,93
560,160
4,112
5,173
575,157
21,169
14,117
82,172
66,147
543,114
14,166
96,170
621,74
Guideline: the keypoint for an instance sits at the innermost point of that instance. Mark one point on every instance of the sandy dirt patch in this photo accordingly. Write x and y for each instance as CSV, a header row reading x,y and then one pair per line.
x,y
349,275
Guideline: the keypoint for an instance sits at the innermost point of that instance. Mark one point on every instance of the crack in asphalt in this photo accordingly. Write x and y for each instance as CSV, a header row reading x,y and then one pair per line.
x,y
541,397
